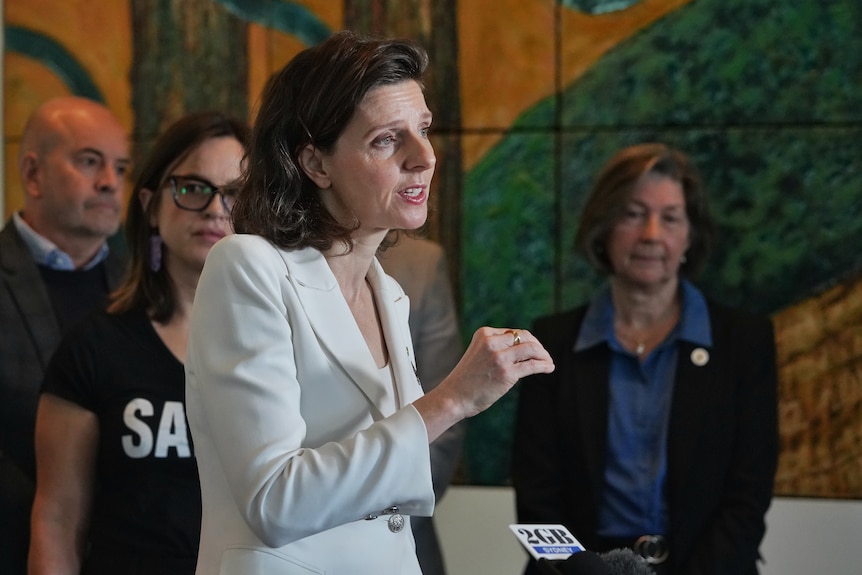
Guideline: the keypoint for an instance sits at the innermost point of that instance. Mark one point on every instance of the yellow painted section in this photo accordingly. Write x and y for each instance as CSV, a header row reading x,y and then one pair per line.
x,y
30,83
97,34
270,50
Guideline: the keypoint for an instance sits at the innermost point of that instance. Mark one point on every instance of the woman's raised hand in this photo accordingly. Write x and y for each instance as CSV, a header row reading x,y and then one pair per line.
x,y
495,360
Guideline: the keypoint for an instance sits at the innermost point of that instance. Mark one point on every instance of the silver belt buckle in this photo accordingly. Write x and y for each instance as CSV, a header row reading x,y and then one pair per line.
x,y
653,548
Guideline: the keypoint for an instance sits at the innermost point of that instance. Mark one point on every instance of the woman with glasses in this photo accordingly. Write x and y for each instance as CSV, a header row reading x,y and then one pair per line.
x,y
117,483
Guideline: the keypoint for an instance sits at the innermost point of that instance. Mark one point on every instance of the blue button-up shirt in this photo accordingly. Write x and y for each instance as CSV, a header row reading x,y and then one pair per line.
x,y
633,501
46,253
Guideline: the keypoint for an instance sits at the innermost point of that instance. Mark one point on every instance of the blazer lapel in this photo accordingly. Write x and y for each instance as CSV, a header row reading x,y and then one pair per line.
x,y
691,399
394,309
583,377
331,319
28,292
590,385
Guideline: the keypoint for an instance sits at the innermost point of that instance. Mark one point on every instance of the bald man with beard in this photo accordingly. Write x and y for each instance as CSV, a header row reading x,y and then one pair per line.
x,y
55,268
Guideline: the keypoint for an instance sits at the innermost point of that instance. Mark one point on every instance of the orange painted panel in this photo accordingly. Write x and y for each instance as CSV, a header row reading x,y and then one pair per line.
x,y
97,35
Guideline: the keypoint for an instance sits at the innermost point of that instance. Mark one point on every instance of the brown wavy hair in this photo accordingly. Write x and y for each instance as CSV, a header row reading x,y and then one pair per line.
x,y
311,101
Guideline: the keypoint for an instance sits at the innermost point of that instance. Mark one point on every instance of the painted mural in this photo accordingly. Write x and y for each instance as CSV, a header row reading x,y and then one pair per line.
x,y
530,98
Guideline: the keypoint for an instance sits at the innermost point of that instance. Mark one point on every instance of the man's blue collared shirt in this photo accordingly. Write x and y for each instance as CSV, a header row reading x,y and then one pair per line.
x,y
47,254
633,502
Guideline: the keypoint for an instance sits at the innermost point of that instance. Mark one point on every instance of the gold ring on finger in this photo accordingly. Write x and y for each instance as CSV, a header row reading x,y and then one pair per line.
x,y
516,337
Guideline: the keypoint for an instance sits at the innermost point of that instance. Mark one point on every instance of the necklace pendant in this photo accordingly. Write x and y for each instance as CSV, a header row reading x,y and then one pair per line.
x,y
640,348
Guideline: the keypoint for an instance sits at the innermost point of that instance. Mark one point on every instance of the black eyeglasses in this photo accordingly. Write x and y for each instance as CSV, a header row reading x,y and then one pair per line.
x,y
195,194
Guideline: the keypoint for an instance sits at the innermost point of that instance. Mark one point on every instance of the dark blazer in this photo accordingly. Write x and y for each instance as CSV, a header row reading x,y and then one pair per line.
x,y
722,442
28,336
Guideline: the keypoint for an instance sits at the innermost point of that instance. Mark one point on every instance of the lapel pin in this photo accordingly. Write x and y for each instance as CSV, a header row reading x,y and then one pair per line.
x,y
699,357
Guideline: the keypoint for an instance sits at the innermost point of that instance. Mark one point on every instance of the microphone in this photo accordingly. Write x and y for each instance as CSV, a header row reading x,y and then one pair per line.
x,y
558,552
581,563
614,562
626,562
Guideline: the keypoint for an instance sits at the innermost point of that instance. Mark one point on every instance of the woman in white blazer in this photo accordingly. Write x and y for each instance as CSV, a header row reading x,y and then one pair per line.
x,y
310,428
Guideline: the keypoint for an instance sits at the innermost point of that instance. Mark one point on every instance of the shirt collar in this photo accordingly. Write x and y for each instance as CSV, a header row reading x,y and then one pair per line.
x,y
694,325
46,253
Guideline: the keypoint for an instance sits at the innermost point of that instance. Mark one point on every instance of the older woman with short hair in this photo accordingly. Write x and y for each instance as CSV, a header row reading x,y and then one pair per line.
x,y
658,430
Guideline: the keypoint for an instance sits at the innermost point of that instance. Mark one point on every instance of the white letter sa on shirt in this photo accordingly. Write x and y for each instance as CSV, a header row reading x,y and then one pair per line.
x,y
172,430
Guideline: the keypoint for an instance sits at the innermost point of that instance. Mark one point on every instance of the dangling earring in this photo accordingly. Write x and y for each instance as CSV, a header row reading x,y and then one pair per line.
x,y
155,251
683,259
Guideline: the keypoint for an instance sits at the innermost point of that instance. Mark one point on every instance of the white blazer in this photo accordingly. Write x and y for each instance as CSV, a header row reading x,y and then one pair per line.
x,y
297,438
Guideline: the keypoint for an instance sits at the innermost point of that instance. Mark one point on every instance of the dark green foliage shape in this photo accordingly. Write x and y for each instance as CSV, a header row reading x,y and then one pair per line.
x,y
508,267
729,62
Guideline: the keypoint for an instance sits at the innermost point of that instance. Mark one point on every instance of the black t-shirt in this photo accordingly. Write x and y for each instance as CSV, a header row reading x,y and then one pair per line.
x,y
147,504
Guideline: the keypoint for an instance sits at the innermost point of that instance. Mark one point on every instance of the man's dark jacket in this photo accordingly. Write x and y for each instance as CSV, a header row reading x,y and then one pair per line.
x,y
29,333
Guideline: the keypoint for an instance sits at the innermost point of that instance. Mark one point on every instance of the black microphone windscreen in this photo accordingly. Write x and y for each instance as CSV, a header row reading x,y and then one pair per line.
x,y
626,562
583,563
